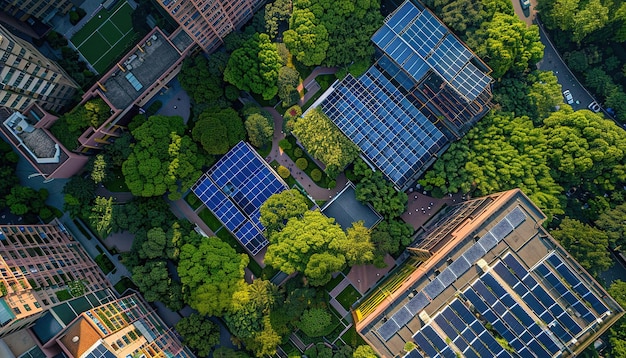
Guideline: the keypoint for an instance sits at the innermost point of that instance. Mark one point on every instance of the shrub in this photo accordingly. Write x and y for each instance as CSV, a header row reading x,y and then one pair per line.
x,y
332,184
231,93
298,153
316,175
284,143
283,172
153,108
302,163
314,322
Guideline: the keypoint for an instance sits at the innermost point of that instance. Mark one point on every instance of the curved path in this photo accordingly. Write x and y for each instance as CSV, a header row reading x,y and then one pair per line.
x,y
315,191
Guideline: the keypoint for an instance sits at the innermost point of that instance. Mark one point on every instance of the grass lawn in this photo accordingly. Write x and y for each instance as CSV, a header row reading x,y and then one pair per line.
x,y
63,295
352,338
104,263
106,36
265,151
230,239
115,181
348,296
125,283
212,222
193,200
333,282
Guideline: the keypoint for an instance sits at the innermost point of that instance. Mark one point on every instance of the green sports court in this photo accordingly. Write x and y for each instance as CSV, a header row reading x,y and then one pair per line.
x,y
106,36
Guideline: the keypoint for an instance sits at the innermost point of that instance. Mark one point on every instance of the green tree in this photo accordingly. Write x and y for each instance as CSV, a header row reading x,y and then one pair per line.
x,y
254,67
202,79
153,280
265,342
218,130
23,200
101,215
288,80
198,333
98,174
260,130
223,352
315,322
280,207
587,244
358,247
276,13
612,224
617,334
364,351
373,188
593,16
506,43
325,142
306,244
163,160
211,273
118,151
306,38
545,93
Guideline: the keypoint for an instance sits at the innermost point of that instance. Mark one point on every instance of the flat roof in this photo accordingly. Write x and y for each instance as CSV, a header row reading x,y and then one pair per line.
x,y
496,272
346,209
142,67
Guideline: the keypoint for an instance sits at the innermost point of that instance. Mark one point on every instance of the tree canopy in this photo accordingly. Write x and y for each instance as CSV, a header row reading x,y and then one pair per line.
x,y
202,79
164,159
314,245
260,129
280,207
587,244
307,38
198,333
324,141
211,273
254,66
218,130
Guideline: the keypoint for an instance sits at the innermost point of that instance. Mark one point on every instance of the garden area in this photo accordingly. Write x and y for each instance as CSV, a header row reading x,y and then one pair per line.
x,y
348,297
305,163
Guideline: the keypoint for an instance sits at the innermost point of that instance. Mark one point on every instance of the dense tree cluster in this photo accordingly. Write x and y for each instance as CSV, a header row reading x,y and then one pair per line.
x,y
254,66
164,159
198,333
280,207
202,78
325,142
316,246
307,38
218,130
72,124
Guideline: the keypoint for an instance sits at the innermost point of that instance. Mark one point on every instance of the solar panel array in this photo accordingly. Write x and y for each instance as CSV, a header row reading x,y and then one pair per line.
x,y
390,131
417,41
100,352
455,270
540,312
235,188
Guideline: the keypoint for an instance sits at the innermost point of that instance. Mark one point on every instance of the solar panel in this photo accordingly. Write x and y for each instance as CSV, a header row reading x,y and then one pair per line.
x,y
501,230
434,288
413,354
516,216
488,241
446,277
459,266
505,274
388,329
235,188
434,338
417,303
402,316
445,327
424,344
474,253
391,132
515,265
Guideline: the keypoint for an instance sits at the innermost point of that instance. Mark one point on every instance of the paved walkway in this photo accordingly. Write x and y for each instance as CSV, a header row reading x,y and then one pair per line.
x,y
364,277
311,85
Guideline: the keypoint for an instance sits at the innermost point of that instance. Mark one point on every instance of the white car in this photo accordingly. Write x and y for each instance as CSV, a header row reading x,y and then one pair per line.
x,y
525,4
594,106
568,97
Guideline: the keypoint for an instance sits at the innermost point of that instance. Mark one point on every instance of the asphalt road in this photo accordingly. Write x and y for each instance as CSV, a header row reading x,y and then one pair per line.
x,y
552,61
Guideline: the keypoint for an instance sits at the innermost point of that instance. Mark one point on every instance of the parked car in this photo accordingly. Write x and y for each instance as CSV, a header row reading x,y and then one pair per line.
x,y
525,4
594,106
568,97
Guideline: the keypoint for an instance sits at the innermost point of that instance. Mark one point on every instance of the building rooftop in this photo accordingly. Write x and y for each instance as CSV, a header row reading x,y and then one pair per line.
x,y
486,269
80,337
141,68
235,188
346,209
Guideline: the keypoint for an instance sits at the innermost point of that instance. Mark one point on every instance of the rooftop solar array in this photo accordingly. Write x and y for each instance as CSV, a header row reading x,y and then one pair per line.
x,y
235,188
417,41
455,270
391,132
540,312
100,352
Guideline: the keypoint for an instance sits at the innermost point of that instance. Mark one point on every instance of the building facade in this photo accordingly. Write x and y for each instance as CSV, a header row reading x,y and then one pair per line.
x,y
40,266
487,280
207,22
26,75
126,327
43,10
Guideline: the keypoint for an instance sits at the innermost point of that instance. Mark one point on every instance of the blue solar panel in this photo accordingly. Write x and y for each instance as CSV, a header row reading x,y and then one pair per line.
x,y
482,290
445,327
434,338
388,329
392,133
514,265
434,288
488,241
446,277
424,344
235,188
402,316
474,253
459,266
501,230
417,303
547,342
538,350
100,352
454,320
413,354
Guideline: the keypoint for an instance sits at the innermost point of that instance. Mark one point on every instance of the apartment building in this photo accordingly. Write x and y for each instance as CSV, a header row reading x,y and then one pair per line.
x,y
207,22
40,266
26,75
43,10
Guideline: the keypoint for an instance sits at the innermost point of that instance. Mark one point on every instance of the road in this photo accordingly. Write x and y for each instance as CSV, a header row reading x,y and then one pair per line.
x,y
552,61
